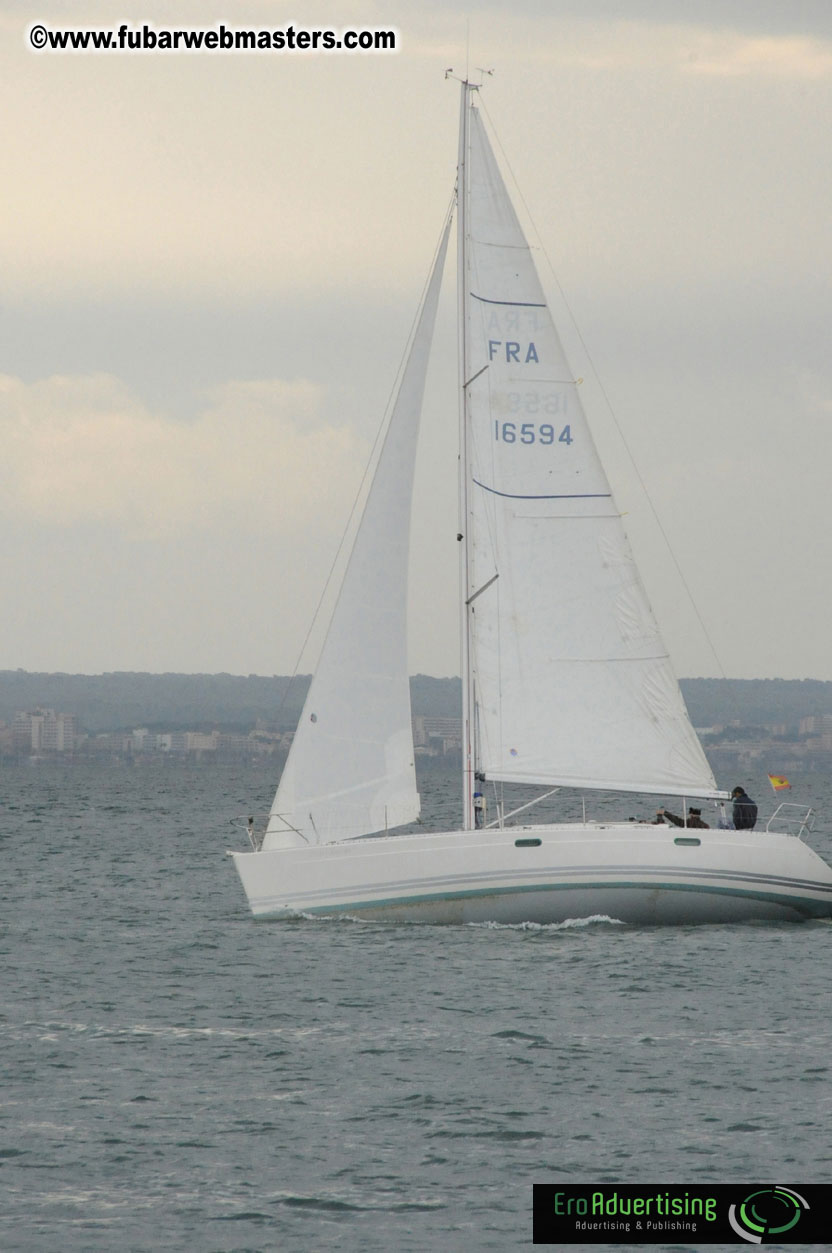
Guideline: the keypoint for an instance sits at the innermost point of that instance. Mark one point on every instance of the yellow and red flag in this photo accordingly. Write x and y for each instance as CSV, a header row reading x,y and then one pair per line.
x,y
778,782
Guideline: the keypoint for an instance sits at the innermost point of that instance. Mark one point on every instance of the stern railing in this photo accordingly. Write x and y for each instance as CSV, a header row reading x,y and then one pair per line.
x,y
254,826
796,824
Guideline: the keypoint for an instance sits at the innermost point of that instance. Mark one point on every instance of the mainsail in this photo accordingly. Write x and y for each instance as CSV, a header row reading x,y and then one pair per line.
x,y
350,770
570,681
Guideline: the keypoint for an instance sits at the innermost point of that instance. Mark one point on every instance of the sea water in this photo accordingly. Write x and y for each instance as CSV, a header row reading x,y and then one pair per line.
x,y
178,1076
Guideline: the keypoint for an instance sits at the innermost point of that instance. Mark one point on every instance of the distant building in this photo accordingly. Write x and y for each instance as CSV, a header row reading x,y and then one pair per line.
x,y
437,736
229,745
45,731
143,741
198,742
115,743
817,725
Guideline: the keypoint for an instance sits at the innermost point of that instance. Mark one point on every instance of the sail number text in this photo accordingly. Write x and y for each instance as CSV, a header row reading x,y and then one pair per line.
x,y
531,433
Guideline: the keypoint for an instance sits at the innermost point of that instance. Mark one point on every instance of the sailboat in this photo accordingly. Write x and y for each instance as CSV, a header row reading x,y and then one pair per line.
x,y
566,682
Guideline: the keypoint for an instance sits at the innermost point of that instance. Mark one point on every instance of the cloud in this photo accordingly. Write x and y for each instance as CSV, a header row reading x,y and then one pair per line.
x,y
767,57
226,174
260,455
177,226
629,45
761,16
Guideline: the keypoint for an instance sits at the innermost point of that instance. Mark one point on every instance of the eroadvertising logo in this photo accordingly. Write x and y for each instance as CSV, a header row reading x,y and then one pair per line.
x,y
682,1214
769,1212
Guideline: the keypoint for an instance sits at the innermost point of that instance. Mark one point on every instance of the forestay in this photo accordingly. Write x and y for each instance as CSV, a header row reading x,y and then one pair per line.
x,y
351,770
572,683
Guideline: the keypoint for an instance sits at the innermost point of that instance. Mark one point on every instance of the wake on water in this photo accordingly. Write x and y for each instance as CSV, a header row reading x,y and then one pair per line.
x,y
568,924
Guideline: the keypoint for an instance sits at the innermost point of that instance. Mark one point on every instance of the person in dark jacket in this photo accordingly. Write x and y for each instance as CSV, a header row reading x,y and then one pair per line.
x,y
694,818
745,811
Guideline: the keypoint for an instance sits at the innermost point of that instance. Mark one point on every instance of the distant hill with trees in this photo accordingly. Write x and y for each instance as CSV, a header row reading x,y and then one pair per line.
x,y
124,700
755,702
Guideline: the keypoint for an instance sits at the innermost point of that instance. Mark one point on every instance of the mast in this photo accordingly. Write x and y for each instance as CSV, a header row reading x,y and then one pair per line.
x,y
468,718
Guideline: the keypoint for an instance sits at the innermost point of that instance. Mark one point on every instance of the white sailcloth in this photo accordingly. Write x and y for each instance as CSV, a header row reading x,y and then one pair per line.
x,y
350,770
572,683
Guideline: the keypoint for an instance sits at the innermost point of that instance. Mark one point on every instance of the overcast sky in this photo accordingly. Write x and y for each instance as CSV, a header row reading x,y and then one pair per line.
x,y
210,265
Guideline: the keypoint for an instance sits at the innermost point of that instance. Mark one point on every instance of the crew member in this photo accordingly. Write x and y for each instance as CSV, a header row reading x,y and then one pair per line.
x,y
694,818
745,811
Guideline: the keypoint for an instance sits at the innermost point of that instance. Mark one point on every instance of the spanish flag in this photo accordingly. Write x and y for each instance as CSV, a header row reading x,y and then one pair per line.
x,y
778,782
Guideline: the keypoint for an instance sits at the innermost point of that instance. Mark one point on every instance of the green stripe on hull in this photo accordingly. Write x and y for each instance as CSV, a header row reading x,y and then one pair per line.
x,y
798,904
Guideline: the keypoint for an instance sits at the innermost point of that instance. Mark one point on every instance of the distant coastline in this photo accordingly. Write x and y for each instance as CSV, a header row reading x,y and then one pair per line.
x,y
124,699
784,725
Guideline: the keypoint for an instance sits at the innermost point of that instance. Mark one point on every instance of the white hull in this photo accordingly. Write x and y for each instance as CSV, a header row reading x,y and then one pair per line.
x,y
634,872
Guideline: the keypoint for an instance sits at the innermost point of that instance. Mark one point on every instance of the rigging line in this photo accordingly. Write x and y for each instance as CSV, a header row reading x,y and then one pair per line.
x,y
528,805
607,400
371,458
518,304
484,588
515,496
476,376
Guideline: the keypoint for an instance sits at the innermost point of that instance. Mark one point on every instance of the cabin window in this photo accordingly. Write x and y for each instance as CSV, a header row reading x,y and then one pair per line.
x,y
533,843
686,839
